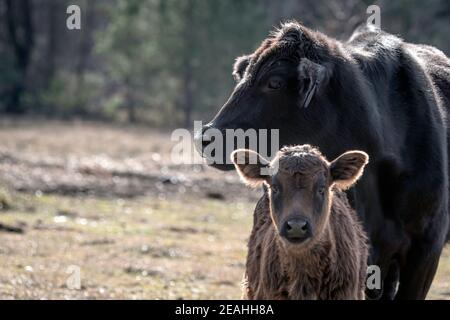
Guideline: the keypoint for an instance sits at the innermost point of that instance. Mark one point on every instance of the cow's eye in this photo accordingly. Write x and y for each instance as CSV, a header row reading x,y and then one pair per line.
x,y
275,83
274,189
321,191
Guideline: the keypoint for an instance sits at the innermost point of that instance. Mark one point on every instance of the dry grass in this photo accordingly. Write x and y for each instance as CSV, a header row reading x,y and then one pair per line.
x,y
140,248
72,189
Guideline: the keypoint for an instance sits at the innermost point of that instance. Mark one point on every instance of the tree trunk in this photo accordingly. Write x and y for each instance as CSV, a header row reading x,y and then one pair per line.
x,y
84,51
130,102
187,76
20,33
188,95
51,48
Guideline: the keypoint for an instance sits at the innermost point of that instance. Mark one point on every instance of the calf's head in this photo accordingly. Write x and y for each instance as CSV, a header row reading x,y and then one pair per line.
x,y
300,182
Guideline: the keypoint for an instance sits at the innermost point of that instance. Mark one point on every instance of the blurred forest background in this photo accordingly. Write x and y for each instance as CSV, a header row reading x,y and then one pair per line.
x,y
164,62
87,178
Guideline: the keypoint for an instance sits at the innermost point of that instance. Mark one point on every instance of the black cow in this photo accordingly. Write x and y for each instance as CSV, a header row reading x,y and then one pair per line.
x,y
375,93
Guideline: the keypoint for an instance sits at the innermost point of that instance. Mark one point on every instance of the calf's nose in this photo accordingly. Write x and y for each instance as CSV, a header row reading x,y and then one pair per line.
x,y
297,229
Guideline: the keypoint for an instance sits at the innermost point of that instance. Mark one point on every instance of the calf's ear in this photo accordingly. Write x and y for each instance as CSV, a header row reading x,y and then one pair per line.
x,y
239,67
250,167
347,168
313,77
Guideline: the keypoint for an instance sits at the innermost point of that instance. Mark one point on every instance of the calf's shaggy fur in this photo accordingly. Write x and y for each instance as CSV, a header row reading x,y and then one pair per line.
x,y
330,261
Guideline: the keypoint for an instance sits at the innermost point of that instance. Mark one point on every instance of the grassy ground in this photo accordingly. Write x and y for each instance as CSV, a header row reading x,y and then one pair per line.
x,y
110,202
139,248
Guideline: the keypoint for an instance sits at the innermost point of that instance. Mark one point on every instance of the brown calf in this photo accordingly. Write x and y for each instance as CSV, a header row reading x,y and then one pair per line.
x,y
306,242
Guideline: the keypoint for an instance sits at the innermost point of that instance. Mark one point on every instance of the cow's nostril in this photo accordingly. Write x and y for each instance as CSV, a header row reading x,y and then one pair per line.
x,y
202,139
207,140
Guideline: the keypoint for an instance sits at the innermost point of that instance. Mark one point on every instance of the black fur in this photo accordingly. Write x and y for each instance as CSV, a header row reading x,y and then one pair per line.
x,y
385,97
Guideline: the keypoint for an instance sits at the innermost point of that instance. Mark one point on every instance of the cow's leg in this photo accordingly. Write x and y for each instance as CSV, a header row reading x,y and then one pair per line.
x,y
390,281
417,274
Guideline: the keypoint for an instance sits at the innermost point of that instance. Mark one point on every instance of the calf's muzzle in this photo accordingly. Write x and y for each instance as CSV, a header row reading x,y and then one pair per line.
x,y
296,230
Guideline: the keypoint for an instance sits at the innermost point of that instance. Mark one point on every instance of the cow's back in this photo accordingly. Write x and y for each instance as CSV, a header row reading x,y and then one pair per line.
x,y
404,193
437,66
411,83
384,46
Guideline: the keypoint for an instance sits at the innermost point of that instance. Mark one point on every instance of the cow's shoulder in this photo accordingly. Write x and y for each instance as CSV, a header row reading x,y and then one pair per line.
x,y
437,65
377,53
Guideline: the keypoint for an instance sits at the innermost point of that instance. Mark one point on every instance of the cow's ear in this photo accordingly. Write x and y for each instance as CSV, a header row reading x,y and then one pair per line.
x,y
313,77
239,67
250,166
347,168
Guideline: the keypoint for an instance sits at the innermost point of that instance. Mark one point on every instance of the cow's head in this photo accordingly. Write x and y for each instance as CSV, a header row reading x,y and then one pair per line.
x,y
282,85
300,187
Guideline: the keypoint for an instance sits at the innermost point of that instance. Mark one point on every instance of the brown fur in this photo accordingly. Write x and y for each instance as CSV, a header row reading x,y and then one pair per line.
x,y
331,264
334,268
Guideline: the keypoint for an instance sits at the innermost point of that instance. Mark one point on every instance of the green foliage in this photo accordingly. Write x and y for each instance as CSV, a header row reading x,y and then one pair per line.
x,y
148,44
69,95
168,61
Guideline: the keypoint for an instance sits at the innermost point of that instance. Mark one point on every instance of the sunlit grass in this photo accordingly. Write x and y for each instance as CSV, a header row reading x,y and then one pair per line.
x,y
141,248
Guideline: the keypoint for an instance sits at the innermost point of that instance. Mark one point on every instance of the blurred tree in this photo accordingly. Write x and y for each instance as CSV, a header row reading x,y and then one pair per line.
x,y
84,50
187,57
21,38
164,61
129,54
53,8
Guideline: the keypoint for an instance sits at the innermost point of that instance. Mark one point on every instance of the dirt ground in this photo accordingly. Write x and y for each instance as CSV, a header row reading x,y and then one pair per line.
x,y
107,206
